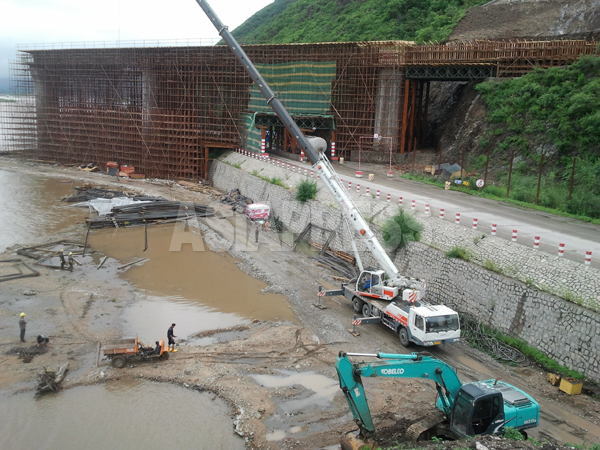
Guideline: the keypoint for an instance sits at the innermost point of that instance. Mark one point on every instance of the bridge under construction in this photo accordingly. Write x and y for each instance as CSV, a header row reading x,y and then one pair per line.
x,y
164,109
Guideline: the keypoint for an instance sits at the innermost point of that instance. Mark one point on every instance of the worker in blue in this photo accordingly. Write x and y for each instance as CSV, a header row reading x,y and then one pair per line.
x,y
171,337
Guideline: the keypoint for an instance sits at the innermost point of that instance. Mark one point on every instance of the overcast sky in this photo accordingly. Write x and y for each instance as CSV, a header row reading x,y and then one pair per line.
x,y
66,21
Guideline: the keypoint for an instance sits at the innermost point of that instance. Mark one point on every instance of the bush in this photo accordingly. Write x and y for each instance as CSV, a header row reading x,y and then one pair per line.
x,y
307,190
401,229
513,434
460,253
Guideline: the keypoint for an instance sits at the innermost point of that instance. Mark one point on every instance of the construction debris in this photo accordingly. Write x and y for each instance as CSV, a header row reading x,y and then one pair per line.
x,y
49,381
86,192
26,353
237,201
197,187
11,269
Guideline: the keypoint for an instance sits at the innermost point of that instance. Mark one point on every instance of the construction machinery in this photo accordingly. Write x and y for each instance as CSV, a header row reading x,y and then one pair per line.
x,y
121,351
385,283
470,409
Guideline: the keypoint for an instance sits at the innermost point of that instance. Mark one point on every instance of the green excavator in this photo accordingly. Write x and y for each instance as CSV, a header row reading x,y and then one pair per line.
x,y
470,409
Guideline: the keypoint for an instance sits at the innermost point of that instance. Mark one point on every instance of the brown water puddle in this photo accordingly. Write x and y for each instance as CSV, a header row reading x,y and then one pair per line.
x,y
31,210
203,278
117,415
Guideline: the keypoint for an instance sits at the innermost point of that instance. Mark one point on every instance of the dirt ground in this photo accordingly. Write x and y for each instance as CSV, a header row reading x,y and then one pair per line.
x,y
75,308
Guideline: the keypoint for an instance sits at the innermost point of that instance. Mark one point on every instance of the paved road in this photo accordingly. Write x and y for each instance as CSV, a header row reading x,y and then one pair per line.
x,y
578,236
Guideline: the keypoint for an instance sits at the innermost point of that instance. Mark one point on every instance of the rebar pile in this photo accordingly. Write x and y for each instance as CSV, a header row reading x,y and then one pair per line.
x,y
480,338
343,267
153,212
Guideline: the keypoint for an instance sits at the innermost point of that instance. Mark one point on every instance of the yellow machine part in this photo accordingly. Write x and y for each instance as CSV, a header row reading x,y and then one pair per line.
x,y
351,441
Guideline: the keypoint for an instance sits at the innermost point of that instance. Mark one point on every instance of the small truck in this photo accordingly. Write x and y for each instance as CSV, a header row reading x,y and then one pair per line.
x,y
121,351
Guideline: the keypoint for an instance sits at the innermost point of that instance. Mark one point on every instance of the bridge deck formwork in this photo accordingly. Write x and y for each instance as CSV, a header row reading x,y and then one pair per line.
x,y
163,109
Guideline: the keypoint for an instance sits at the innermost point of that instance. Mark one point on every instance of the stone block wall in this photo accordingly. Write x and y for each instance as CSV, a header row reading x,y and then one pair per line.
x,y
512,301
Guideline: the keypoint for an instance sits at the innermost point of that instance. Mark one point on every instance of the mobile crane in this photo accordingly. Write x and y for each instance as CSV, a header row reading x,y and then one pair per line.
x,y
408,315
471,409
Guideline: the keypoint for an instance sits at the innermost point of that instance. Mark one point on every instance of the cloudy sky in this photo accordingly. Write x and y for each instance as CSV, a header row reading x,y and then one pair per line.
x,y
30,22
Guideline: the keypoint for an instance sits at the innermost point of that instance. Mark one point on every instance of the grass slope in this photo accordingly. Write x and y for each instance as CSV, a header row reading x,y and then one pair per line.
x,y
289,21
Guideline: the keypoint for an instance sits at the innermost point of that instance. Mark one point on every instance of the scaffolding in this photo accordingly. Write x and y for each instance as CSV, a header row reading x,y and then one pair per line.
x,y
164,109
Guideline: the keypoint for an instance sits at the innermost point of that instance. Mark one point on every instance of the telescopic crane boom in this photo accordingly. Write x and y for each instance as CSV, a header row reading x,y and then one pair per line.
x,y
313,147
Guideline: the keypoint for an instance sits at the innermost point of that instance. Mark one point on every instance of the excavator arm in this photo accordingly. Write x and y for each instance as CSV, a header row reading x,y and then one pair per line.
x,y
414,365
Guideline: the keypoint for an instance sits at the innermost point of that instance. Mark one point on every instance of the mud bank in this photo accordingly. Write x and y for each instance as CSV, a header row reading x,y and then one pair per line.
x,y
230,362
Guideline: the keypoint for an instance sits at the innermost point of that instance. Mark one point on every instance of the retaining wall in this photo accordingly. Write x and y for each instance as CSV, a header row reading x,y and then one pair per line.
x,y
562,329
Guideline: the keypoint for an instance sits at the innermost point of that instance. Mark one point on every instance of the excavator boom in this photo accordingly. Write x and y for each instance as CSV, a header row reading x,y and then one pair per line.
x,y
482,407
414,365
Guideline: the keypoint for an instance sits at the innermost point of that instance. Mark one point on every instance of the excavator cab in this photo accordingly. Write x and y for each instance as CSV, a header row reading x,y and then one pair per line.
x,y
475,416
486,407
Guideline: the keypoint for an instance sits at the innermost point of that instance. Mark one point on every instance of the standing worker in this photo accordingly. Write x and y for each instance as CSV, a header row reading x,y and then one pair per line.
x,y
61,255
22,325
70,260
170,337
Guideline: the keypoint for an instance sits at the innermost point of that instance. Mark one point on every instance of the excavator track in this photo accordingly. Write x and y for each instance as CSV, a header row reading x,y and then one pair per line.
x,y
418,430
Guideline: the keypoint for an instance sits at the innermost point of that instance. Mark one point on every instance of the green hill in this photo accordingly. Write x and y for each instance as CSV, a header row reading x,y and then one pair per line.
x,y
290,21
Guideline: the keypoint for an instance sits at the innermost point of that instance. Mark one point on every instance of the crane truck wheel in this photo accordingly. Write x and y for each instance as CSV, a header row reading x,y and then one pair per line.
x,y
357,304
403,335
366,310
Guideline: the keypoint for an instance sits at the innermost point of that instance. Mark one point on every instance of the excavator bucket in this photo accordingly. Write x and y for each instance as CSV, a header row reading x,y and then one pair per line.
x,y
352,441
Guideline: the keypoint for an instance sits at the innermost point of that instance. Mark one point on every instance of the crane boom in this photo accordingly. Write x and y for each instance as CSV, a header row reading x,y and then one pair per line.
x,y
317,158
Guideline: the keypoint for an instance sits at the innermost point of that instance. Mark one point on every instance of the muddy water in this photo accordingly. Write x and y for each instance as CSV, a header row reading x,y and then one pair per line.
x,y
316,391
198,290
31,210
117,415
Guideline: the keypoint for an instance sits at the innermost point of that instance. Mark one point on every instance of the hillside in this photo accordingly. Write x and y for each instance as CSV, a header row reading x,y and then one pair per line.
x,y
288,21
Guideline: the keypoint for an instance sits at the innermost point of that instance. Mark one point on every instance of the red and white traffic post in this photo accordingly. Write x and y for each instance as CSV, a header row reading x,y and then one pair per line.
x,y
413,205
441,213
588,257
536,243
561,249
377,194
389,197
474,223
514,236
400,201
357,187
493,229
426,209
457,219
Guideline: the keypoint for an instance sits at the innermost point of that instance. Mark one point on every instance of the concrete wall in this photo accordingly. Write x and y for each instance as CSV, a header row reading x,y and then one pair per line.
x,y
562,329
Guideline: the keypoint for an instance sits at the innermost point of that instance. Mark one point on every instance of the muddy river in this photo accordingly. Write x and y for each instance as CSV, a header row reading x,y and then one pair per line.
x,y
117,415
197,289
30,208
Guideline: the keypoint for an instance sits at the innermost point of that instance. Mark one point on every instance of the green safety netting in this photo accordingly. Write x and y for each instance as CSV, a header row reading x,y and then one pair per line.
x,y
303,87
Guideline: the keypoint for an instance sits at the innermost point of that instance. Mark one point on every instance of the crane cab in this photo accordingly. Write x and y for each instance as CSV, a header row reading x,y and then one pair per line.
x,y
487,407
373,284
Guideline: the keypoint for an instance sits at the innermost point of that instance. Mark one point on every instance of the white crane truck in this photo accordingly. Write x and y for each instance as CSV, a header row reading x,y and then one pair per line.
x,y
383,295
